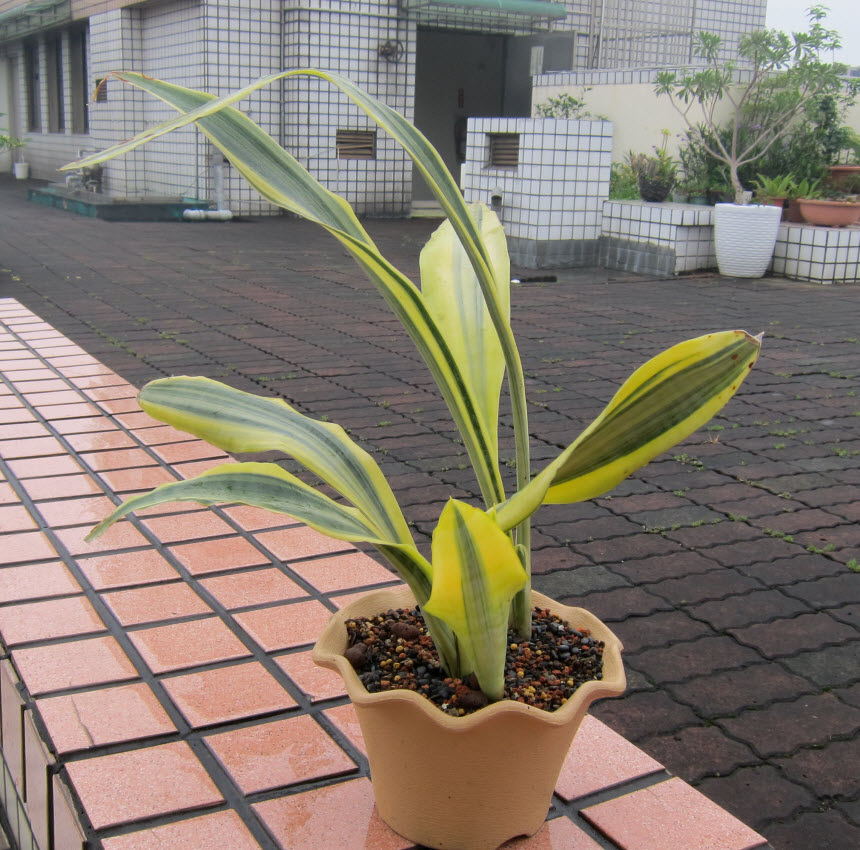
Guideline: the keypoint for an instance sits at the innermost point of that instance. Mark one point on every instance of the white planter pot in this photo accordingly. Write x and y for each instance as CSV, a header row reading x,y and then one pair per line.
x,y
22,170
744,237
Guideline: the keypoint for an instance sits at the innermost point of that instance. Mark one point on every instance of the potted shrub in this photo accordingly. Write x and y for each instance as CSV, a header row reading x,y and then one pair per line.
x,y
15,145
656,173
474,592
773,190
801,189
830,209
768,90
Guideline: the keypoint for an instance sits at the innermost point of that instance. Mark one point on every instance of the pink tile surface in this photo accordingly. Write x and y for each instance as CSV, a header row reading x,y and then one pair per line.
x,y
142,567
188,526
88,511
36,581
252,587
670,814
122,535
557,834
343,572
345,718
215,556
100,441
56,488
155,603
26,546
117,459
78,664
228,693
278,753
32,447
47,620
132,480
342,816
285,626
126,787
38,467
182,645
300,542
205,832
107,716
255,519
189,450
318,683
15,518
600,758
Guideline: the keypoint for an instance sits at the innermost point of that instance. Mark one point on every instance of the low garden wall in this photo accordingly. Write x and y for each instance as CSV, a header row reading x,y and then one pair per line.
x,y
547,179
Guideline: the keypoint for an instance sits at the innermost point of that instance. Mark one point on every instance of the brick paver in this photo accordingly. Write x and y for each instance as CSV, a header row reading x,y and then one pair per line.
x,y
726,544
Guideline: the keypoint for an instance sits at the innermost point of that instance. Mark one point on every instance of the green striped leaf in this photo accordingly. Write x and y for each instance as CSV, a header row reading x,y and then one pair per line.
x,y
455,301
662,403
279,178
268,486
476,574
237,421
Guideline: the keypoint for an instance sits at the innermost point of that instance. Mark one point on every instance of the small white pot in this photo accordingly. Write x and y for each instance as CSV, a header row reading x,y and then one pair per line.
x,y
744,237
21,169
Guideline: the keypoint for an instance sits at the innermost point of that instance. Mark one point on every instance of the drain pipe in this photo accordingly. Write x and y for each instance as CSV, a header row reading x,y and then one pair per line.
x,y
220,213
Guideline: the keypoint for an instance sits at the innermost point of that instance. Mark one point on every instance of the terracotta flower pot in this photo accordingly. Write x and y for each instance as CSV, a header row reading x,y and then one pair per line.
x,y
464,783
845,178
829,213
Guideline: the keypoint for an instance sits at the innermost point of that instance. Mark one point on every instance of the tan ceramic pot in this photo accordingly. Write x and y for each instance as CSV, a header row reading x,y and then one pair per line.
x,y
464,783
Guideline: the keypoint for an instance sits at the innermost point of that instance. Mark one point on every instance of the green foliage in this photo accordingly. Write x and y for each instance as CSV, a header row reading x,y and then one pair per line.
x,y
774,86
623,183
563,106
459,321
770,188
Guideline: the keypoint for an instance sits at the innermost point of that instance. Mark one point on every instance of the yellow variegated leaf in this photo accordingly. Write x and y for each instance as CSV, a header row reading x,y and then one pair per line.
x,y
278,177
662,403
454,298
476,574
237,421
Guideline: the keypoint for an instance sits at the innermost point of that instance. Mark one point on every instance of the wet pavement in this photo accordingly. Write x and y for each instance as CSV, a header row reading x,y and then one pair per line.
x,y
729,566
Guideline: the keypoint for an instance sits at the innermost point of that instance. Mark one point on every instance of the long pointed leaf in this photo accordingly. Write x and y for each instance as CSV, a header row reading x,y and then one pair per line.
x,y
237,421
282,180
476,574
455,301
660,404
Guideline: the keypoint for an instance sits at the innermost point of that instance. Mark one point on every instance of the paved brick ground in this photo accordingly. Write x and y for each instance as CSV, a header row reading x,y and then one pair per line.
x,y
728,566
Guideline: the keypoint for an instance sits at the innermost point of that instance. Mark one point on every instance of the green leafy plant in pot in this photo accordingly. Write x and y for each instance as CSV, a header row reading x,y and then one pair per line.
x,y
781,76
656,174
477,583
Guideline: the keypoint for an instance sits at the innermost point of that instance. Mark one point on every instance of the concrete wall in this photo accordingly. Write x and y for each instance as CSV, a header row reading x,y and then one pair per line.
x,y
627,99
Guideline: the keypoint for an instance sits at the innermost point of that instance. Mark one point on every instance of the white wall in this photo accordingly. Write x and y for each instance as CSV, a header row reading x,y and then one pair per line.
x,y
637,113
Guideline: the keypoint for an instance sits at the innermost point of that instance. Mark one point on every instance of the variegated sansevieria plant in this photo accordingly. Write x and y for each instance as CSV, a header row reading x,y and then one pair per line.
x,y
477,583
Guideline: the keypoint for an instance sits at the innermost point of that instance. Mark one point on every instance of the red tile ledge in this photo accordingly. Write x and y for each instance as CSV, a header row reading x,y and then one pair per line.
x,y
671,814
200,636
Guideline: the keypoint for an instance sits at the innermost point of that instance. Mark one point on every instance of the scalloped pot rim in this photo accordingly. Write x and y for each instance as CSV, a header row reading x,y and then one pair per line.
x,y
329,649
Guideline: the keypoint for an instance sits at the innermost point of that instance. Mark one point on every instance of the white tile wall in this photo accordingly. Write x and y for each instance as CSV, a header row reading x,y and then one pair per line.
x,y
557,190
824,255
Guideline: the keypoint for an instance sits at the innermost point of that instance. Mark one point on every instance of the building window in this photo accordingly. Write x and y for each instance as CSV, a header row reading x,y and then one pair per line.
x,y
56,84
504,150
355,144
78,80
32,79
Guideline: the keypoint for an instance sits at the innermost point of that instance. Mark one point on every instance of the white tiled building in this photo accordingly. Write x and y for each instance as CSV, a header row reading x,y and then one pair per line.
x,y
436,61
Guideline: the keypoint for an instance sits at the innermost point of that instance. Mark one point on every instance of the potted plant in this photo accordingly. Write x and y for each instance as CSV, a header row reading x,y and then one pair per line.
x,y
768,90
15,145
474,592
830,208
805,188
656,174
844,175
773,190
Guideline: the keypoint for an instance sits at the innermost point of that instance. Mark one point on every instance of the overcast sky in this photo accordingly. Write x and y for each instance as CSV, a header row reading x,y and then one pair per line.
x,y
844,17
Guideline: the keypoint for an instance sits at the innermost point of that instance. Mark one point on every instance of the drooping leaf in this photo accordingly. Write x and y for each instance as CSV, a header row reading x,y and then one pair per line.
x,y
237,421
455,301
279,178
659,405
476,574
